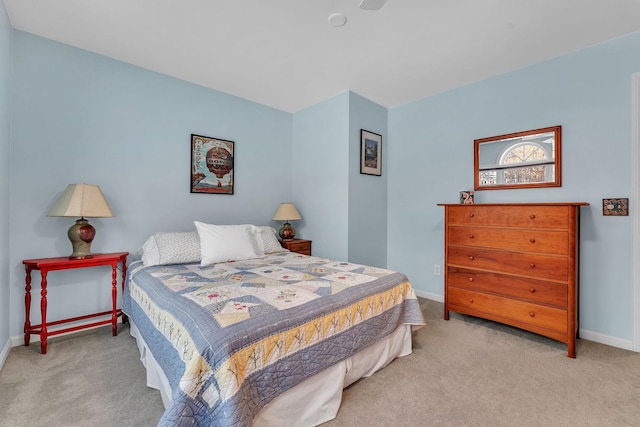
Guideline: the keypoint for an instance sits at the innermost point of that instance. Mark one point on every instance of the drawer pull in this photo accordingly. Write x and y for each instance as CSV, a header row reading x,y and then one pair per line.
x,y
533,265
471,215
471,257
532,216
532,314
471,279
471,236
532,240
532,290
471,300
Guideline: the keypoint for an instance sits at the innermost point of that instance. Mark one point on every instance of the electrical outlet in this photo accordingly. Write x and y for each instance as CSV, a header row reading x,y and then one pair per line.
x,y
436,270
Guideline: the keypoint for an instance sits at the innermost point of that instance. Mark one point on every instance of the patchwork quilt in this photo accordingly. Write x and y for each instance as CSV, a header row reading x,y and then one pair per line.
x,y
233,336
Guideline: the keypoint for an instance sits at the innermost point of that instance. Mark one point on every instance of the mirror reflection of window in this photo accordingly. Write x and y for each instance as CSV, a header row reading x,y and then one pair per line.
x,y
488,177
531,162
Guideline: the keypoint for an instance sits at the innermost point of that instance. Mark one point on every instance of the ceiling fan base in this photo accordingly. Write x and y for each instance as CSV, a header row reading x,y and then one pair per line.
x,y
372,4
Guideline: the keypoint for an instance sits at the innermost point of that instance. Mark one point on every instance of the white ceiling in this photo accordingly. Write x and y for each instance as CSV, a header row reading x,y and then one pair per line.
x,y
285,54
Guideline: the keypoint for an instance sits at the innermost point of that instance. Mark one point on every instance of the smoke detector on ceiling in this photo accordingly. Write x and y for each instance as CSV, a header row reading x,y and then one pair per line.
x,y
372,4
337,19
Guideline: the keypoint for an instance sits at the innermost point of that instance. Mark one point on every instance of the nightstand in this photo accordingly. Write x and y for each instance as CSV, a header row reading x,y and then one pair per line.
x,y
300,246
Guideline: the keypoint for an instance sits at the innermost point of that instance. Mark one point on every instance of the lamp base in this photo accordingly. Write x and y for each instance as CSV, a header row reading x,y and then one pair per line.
x,y
81,235
287,232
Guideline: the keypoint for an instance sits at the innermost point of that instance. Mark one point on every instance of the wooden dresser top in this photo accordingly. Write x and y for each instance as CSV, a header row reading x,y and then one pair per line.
x,y
519,204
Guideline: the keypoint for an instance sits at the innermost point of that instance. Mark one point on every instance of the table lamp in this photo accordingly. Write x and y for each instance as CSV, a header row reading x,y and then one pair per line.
x,y
81,200
286,212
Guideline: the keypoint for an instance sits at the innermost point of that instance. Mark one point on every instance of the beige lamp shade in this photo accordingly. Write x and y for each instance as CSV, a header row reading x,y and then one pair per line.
x,y
287,212
82,200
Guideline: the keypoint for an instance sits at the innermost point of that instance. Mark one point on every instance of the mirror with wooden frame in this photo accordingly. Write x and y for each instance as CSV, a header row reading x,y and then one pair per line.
x,y
529,159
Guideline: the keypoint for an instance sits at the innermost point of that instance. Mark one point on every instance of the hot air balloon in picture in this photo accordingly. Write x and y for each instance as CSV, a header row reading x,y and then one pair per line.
x,y
211,165
219,162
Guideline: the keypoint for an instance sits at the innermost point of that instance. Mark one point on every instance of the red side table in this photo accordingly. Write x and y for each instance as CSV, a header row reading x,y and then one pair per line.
x,y
45,265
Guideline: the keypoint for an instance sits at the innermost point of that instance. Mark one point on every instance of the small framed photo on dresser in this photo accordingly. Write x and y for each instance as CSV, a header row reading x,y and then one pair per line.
x,y
466,197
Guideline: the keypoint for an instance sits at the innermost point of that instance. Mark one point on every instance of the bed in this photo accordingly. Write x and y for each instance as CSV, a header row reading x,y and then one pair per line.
x,y
236,331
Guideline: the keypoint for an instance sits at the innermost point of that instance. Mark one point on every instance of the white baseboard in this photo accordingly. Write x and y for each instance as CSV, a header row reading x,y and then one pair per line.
x,y
18,340
429,295
584,334
606,339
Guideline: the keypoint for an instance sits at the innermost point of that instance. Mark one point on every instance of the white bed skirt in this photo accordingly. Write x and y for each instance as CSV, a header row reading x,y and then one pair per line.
x,y
313,401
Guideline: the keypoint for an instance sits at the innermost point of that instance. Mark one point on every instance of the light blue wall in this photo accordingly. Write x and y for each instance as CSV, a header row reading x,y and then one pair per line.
x,y
367,193
80,117
431,159
5,116
320,175
345,213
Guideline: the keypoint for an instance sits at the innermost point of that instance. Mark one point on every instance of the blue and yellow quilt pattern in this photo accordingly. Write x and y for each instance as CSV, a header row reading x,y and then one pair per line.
x,y
233,336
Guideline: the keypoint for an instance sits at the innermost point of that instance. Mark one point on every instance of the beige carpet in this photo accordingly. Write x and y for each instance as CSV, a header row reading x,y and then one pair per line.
x,y
464,372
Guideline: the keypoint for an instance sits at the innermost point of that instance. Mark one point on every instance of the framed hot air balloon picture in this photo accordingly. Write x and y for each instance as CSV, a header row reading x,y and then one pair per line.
x,y
211,165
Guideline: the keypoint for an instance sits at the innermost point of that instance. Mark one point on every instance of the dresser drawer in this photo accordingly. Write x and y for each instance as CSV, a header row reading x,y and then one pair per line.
x,y
550,242
536,291
538,315
534,216
540,266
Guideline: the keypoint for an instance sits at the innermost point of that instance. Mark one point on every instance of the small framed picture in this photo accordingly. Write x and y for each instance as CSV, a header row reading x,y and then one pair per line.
x,y
466,197
370,153
211,165
615,207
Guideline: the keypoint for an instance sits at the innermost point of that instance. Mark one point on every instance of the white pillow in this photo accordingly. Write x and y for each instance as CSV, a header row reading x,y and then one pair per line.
x,y
171,247
270,243
221,243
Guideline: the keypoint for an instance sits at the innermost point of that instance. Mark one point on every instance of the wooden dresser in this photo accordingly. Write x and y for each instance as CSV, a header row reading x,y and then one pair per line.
x,y
516,264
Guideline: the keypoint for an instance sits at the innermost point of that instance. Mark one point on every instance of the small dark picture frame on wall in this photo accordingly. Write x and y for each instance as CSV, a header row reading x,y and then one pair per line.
x,y
615,207
370,153
211,165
